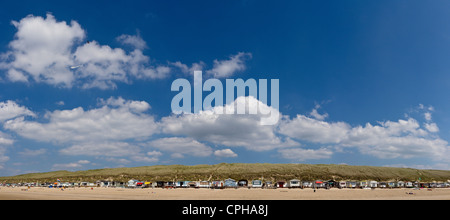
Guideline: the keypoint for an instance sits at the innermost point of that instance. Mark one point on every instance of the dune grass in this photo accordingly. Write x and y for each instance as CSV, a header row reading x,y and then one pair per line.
x,y
238,171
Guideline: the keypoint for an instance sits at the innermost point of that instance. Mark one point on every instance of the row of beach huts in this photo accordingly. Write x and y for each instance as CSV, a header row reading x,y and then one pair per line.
x,y
231,183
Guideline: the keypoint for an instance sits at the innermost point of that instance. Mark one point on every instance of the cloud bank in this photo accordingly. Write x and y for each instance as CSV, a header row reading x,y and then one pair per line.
x,y
120,128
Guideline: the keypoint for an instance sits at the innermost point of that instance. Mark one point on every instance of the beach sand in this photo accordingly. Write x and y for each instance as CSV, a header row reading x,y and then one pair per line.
x,y
37,193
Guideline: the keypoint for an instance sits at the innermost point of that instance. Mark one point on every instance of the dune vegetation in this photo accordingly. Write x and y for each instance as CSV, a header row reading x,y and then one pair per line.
x,y
268,172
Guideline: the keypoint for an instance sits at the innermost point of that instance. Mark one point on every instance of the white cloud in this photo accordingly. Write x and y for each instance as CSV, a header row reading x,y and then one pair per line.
x,y
232,130
315,114
225,153
123,128
115,120
181,146
427,116
313,130
10,110
5,139
390,139
226,68
133,40
45,50
42,49
103,66
432,127
189,70
154,153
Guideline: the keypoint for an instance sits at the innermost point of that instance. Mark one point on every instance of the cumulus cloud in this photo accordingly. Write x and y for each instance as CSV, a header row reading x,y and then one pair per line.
x,y
189,70
386,140
5,139
179,147
42,50
115,120
133,40
103,66
313,130
10,110
315,114
432,127
124,128
225,153
226,68
232,130
45,50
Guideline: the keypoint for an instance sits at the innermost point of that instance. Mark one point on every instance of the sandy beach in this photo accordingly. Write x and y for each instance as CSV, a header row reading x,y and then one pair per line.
x,y
23,193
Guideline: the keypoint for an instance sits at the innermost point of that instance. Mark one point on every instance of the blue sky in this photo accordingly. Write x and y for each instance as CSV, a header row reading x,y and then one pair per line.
x,y
361,82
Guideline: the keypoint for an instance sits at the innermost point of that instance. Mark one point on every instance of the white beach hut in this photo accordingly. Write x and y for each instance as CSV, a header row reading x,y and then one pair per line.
x,y
257,184
294,183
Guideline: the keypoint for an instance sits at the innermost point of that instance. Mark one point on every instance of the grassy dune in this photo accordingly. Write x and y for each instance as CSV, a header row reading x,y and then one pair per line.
x,y
239,171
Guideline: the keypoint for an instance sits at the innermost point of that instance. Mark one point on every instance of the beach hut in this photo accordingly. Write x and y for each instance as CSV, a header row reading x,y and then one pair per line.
x,y
307,184
400,184
230,183
319,184
169,184
132,183
342,184
382,185
192,184
242,183
217,184
268,185
119,184
147,184
186,184
204,184
257,184
409,185
180,184
281,184
433,184
424,185
392,185
351,184
294,183
160,184
332,183
363,184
